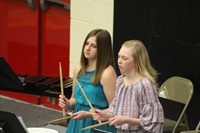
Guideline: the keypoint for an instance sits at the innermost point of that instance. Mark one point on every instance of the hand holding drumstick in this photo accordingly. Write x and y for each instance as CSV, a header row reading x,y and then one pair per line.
x,y
61,84
63,102
102,115
85,96
99,115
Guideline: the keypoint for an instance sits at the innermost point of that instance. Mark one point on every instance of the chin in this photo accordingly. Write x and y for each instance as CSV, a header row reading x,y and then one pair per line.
x,y
86,56
122,72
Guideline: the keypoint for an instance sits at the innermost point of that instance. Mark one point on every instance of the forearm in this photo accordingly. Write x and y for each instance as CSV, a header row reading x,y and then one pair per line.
x,y
106,114
72,103
133,121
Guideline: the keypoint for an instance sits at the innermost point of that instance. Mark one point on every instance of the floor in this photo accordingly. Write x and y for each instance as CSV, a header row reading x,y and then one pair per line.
x,y
33,115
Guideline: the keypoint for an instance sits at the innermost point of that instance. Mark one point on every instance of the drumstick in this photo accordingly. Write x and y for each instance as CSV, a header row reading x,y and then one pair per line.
x,y
85,96
60,119
96,125
61,84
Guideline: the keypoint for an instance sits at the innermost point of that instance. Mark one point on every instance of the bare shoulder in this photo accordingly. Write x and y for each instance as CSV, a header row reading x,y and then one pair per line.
x,y
108,81
77,69
108,73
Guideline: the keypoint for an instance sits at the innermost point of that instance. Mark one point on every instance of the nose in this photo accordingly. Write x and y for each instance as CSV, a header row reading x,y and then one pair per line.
x,y
87,47
119,60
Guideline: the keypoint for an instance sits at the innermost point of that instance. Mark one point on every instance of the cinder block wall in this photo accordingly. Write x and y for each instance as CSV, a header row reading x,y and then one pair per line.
x,y
85,16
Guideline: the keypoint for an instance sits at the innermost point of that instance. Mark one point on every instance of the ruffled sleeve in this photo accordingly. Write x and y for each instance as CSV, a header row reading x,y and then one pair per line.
x,y
152,115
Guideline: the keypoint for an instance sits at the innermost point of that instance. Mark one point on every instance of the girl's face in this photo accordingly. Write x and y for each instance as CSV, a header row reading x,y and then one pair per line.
x,y
90,48
125,60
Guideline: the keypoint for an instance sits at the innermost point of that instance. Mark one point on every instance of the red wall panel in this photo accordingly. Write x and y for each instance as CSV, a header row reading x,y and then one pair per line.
x,y
55,40
34,41
55,21
19,36
19,41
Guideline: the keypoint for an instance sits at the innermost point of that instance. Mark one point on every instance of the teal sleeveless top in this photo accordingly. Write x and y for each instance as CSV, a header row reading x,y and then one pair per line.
x,y
96,96
94,93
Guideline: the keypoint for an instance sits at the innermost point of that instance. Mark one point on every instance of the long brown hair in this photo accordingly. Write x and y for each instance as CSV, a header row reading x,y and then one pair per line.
x,y
105,56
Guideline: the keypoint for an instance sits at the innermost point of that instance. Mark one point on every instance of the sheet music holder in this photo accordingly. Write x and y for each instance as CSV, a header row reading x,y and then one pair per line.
x,y
8,78
32,84
9,123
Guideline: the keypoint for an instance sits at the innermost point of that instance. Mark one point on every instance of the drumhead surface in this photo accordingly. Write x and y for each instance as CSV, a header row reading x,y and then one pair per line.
x,y
41,130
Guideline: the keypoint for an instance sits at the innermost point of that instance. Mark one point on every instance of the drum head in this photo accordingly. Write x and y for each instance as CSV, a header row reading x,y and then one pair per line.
x,y
41,130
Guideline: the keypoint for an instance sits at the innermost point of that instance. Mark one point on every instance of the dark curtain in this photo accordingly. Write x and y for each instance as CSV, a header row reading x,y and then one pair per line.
x,y
171,33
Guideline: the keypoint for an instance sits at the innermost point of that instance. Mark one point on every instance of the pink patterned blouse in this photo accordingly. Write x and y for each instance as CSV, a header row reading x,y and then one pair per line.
x,y
141,101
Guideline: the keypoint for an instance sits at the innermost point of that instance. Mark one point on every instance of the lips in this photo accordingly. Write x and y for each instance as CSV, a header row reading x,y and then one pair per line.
x,y
120,67
87,53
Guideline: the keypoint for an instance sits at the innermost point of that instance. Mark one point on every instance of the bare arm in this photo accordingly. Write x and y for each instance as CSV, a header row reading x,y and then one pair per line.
x,y
119,120
63,101
72,100
98,114
108,82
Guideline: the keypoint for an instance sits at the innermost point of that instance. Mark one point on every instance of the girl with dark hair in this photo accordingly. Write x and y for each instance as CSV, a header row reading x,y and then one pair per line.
x,y
97,77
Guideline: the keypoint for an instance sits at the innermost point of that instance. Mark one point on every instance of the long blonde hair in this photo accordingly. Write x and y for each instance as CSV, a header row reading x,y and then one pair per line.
x,y
141,58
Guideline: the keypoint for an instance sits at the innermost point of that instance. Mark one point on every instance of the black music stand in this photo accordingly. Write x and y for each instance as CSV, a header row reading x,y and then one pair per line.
x,y
8,78
9,123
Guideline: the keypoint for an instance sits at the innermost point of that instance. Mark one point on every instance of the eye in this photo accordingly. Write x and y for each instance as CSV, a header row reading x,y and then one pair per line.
x,y
124,58
94,45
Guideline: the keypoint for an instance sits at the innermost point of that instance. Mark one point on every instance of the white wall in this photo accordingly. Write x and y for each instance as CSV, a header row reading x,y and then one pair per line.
x,y
87,15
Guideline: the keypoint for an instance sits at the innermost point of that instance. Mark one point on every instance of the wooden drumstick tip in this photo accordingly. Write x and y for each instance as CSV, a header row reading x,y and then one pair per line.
x,y
61,83
96,125
60,119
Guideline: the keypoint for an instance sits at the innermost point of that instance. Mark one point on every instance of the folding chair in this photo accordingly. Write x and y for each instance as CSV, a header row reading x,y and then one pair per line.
x,y
197,130
175,95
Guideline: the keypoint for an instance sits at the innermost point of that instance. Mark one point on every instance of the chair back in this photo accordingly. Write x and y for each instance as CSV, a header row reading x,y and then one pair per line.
x,y
198,126
177,89
197,130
